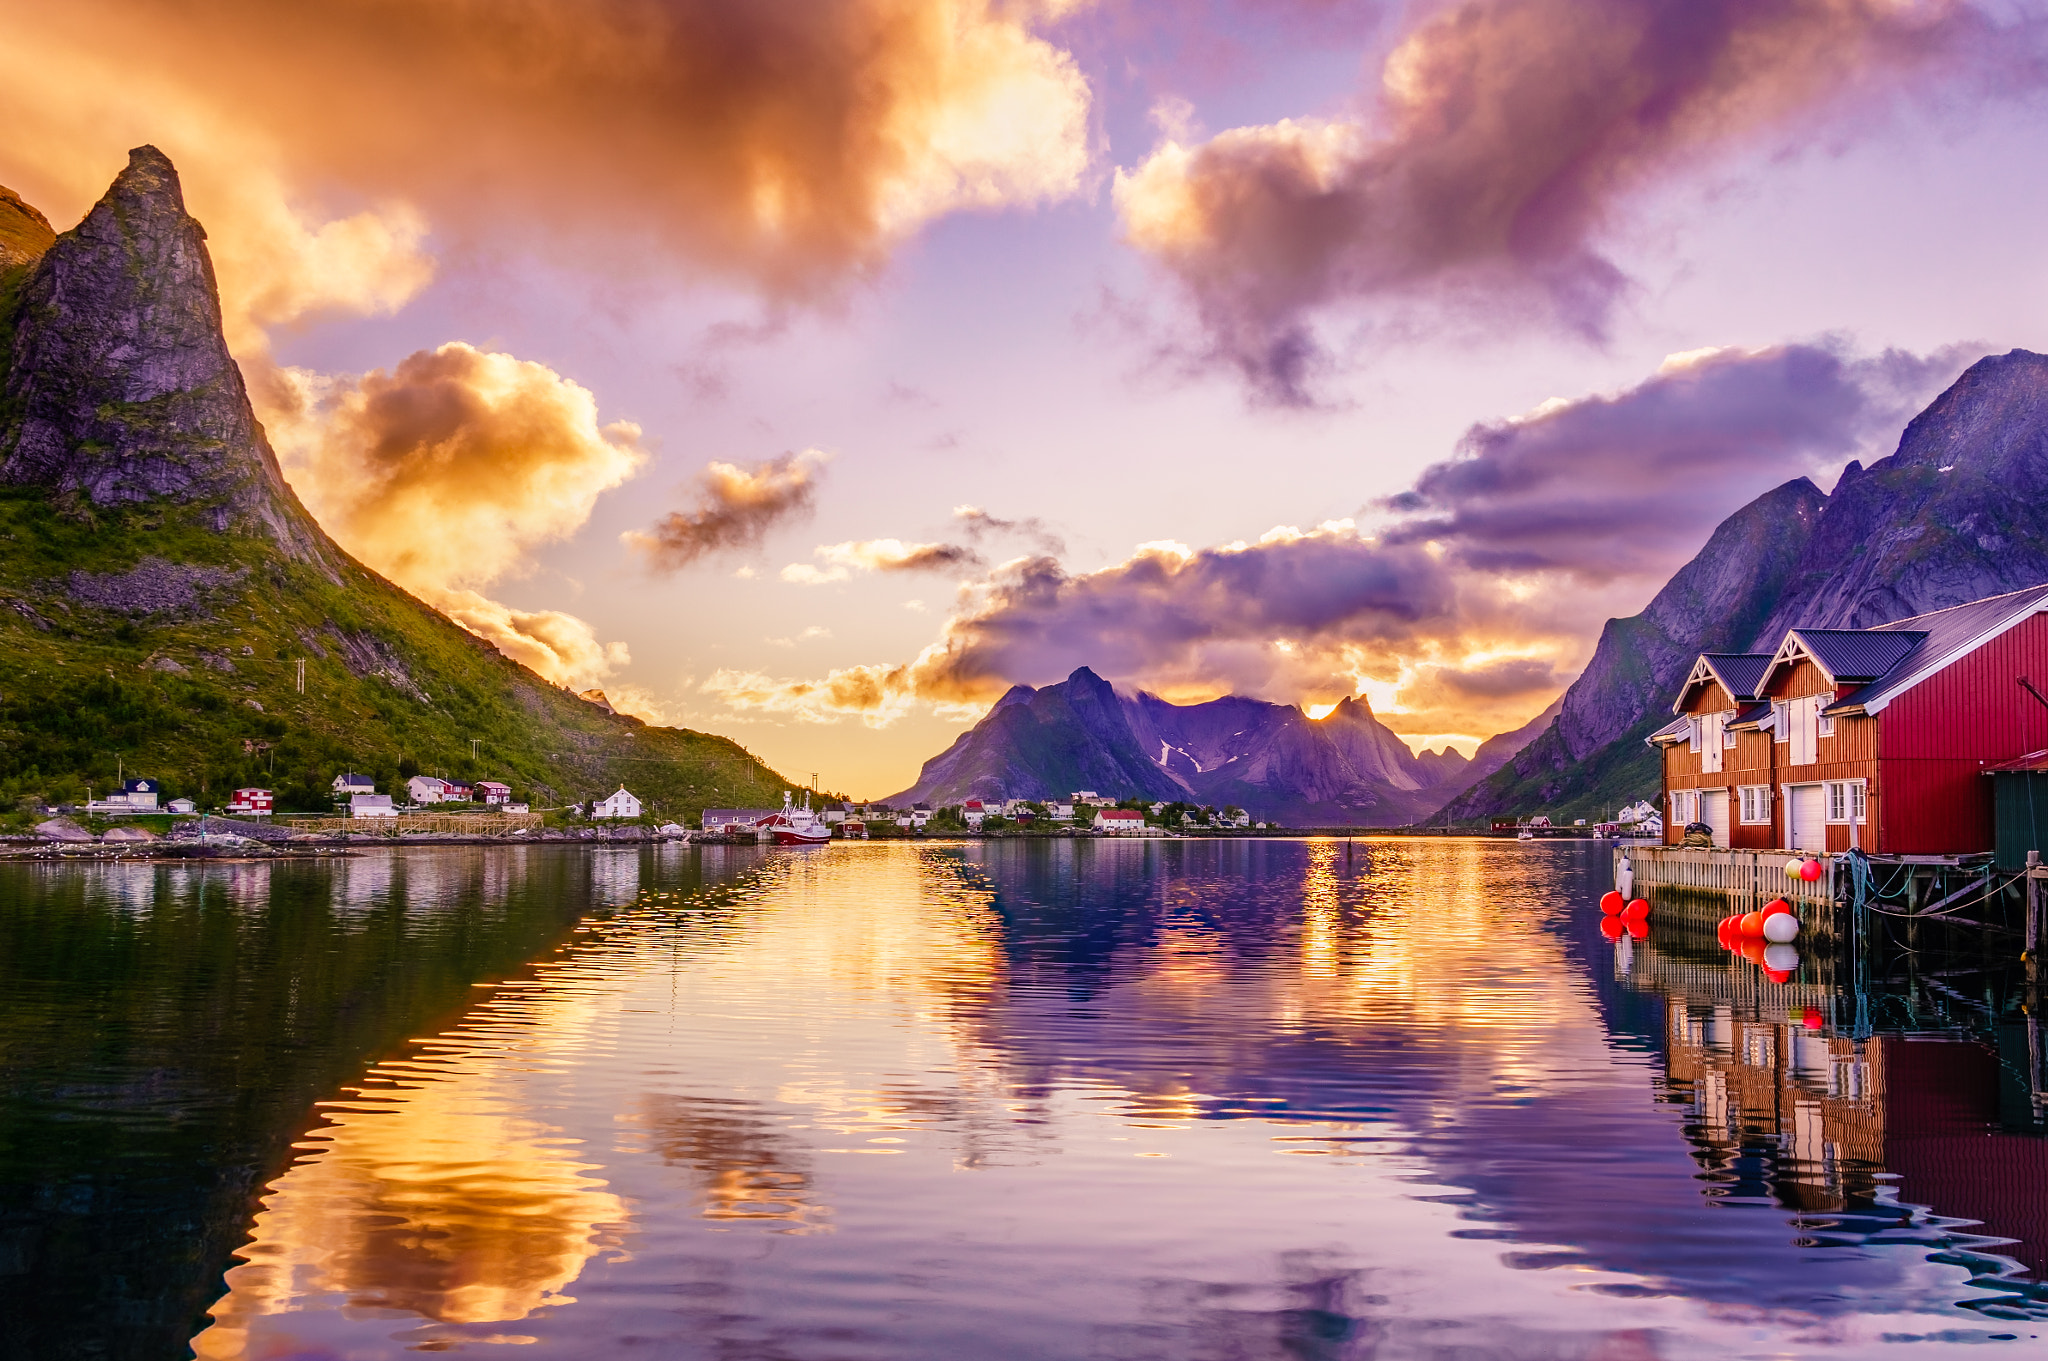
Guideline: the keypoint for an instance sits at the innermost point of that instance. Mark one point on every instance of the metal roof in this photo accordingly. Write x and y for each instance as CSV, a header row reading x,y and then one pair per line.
x,y
1739,673
1671,732
1945,636
1752,715
1850,656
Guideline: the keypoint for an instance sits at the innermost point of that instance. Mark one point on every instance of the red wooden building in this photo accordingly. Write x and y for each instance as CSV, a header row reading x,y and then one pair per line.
x,y
1876,738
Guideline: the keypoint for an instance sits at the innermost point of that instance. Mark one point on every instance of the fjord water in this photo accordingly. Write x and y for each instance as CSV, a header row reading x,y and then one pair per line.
x,y
1154,1099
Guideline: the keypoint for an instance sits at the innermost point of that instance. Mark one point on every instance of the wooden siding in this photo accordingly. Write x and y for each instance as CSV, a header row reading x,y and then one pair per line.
x,y
1709,698
1940,734
1803,679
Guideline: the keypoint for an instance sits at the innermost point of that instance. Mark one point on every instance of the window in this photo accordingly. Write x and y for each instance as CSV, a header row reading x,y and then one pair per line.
x,y
1710,727
1825,725
1781,720
1846,800
1756,802
1692,733
1685,806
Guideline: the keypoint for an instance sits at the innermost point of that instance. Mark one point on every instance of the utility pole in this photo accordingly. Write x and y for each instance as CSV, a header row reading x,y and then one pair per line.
x,y
472,748
302,675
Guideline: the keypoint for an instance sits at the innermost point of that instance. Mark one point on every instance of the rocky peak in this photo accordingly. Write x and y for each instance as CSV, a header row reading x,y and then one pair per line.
x,y
119,388
24,233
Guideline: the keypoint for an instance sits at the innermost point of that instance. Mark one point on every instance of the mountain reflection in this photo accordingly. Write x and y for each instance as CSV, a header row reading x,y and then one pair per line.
x,y
748,1169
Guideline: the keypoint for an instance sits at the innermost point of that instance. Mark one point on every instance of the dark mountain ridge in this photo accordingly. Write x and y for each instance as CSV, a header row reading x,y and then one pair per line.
x,y
1345,769
1954,515
159,580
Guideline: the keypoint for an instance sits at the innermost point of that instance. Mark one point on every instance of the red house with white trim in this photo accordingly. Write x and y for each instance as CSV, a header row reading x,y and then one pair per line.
x,y
250,803
1867,737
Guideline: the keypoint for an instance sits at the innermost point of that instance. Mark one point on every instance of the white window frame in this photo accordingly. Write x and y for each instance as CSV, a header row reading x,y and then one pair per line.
x,y
1693,726
1685,806
1756,803
1781,720
1847,801
1824,724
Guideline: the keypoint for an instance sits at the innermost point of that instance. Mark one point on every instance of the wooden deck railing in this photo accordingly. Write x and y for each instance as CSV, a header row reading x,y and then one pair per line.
x,y
1747,878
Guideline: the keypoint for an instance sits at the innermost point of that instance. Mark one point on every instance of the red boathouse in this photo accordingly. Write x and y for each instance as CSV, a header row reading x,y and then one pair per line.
x,y
1877,738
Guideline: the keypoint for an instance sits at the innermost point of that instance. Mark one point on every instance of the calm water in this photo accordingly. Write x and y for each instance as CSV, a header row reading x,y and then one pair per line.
x,y
1191,1100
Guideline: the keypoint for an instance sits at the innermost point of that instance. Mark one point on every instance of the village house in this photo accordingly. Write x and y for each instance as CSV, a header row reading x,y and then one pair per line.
x,y
182,806
1060,811
733,821
349,783
920,814
250,803
973,813
1872,738
426,789
1119,821
371,806
618,804
134,796
494,794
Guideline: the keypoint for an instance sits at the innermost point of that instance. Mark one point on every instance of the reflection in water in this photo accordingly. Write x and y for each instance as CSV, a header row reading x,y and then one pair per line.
x,y
1230,1100
1053,1100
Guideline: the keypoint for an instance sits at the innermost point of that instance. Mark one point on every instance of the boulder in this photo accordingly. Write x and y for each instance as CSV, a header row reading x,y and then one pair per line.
x,y
62,829
125,833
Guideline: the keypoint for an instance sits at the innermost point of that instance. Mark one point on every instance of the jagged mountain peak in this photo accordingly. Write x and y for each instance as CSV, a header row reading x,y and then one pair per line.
x,y
119,384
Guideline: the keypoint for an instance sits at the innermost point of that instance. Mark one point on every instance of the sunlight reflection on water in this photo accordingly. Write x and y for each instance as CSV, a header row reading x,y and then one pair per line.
x,y
1192,1100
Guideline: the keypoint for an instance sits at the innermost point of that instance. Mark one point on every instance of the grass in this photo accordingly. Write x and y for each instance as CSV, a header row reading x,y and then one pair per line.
x,y
81,695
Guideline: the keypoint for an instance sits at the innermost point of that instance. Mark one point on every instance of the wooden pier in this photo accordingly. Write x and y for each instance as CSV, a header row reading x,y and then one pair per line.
x,y
1747,879
440,824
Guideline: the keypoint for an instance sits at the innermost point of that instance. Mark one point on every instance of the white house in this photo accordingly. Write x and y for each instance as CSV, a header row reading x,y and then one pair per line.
x,y
1060,811
920,814
973,812
1119,821
618,804
426,789
349,783
371,806
182,806
134,796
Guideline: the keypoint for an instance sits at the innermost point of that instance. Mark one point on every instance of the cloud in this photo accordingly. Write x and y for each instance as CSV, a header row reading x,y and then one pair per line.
x,y
447,471
1628,484
978,524
1504,138
788,143
1466,612
736,507
881,555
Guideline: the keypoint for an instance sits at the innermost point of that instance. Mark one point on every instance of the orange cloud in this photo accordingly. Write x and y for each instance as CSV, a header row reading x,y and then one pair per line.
x,y
736,507
444,473
785,142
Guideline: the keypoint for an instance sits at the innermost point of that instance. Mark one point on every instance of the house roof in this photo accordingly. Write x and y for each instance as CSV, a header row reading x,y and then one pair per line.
x,y
1739,673
1847,656
1944,637
1755,715
1674,731
1119,814
2034,762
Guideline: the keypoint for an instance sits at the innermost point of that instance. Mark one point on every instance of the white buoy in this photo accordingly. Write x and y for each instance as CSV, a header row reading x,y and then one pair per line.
x,y
1781,928
1783,958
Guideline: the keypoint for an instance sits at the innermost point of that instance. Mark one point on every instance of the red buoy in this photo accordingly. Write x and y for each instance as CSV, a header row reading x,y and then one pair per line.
x,y
1637,910
1810,871
1813,1019
1611,902
1611,927
1778,975
1638,929
1775,906
1753,924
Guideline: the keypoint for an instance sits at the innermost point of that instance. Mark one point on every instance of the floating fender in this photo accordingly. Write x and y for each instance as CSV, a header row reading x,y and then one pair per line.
x,y
1781,928
1793,867
1813,1019
1611,902
1781,957
1774,907
1638,929
1639,910
1778,975
1810,871
1611,927
1752,923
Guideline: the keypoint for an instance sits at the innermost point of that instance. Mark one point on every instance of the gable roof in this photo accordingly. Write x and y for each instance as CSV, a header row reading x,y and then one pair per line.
x,y
1674,731
1940,639
1739,673
1845,656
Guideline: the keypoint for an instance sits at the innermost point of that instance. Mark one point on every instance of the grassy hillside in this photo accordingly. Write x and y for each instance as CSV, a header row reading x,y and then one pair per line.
x,y
139,639
1542,779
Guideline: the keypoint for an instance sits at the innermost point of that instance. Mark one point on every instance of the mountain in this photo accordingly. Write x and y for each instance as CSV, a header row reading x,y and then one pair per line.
x,y
1953,516
159,581
1345,769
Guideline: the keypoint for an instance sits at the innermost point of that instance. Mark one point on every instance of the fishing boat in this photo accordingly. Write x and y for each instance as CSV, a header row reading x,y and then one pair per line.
x,y
796,825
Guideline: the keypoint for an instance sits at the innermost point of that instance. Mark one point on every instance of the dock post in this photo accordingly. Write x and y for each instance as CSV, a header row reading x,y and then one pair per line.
x,y
2032,930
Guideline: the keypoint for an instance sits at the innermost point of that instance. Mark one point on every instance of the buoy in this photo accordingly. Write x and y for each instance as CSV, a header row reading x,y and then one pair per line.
x,y
1778,975
1775,906
1781,928
1611,927
1639,929
1753,951
1638,910
1780,957
1810,871
1611,902
1793,867
1813,1019
1753,924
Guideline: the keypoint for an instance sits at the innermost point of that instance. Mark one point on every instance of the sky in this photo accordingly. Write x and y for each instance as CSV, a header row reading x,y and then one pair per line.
x,y
811,371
